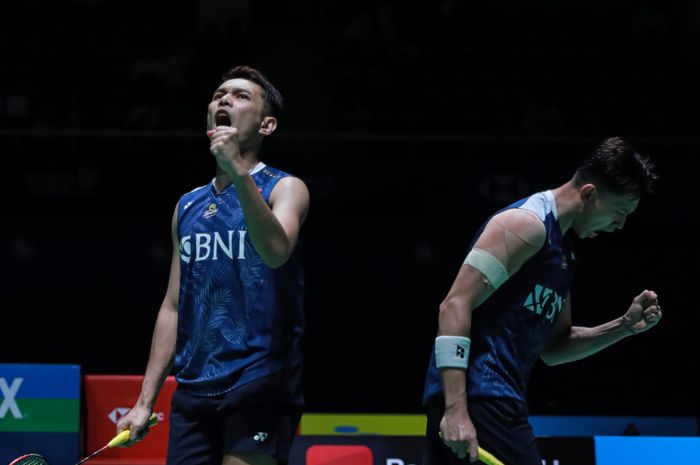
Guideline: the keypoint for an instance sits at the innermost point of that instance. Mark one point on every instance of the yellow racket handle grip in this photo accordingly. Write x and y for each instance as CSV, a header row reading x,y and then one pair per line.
x,y
123,437
487,458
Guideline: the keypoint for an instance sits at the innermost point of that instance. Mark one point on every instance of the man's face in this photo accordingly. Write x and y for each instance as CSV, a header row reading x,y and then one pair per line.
x,y
604,212
237,103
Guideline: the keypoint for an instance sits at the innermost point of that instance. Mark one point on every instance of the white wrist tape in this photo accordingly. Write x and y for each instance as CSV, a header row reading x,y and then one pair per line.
x,y
492,269
452,351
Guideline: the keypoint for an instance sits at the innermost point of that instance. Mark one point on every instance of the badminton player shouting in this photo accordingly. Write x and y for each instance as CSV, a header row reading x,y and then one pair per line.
x,y
510,304
231,321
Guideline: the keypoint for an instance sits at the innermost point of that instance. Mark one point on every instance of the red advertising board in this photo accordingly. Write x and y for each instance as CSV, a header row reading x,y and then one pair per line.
x,y
107,399
339,455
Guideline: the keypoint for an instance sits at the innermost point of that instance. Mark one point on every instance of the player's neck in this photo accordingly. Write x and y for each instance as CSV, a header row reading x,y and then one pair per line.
x,y
568,201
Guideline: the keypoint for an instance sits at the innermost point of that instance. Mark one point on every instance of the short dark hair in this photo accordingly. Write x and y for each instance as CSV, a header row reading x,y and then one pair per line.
x,y
617,167
272,97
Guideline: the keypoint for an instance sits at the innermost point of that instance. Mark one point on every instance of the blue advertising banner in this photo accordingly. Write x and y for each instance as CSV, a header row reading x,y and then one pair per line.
x,y
611,450
40,412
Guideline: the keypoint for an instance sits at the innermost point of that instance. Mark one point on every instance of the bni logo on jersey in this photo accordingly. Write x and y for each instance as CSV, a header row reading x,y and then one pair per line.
x,y
212,246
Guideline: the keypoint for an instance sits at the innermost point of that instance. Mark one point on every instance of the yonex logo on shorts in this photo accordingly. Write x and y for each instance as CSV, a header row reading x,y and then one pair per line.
x,y
260,437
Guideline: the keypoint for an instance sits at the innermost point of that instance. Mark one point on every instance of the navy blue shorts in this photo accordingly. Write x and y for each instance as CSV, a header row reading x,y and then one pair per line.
x,y
501,427
260,417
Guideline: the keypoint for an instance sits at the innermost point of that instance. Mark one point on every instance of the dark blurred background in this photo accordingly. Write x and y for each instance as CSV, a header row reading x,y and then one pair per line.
x,y
409,121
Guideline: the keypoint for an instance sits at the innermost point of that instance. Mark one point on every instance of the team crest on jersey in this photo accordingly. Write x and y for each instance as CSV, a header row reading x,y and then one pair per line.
x,y
211,211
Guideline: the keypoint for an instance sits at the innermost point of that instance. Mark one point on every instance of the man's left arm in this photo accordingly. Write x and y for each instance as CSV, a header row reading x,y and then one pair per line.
x,y
274,229
570,343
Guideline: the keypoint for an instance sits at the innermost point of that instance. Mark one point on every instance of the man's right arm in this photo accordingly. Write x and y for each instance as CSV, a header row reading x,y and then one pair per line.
x,y
162,348
455,320
507,242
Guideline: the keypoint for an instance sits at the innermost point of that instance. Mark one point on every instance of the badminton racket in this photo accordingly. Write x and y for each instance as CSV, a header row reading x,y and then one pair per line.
x,y
118,440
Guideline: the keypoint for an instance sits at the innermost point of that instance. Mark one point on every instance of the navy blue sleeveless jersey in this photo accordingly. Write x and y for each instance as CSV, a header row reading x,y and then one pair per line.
x,y
238,319
510,329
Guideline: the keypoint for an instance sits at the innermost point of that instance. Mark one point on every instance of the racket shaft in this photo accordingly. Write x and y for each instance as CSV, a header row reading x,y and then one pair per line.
x,y
92,455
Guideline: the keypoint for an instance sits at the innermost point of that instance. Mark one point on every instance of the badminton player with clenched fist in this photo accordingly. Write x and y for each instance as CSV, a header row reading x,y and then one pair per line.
x,y
230,325
510,306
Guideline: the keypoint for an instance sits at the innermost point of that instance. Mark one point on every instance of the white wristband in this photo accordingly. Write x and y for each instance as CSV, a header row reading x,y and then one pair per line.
x,y
452,351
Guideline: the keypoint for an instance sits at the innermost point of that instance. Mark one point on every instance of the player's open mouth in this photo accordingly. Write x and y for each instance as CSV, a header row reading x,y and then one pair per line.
x,y
221,118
